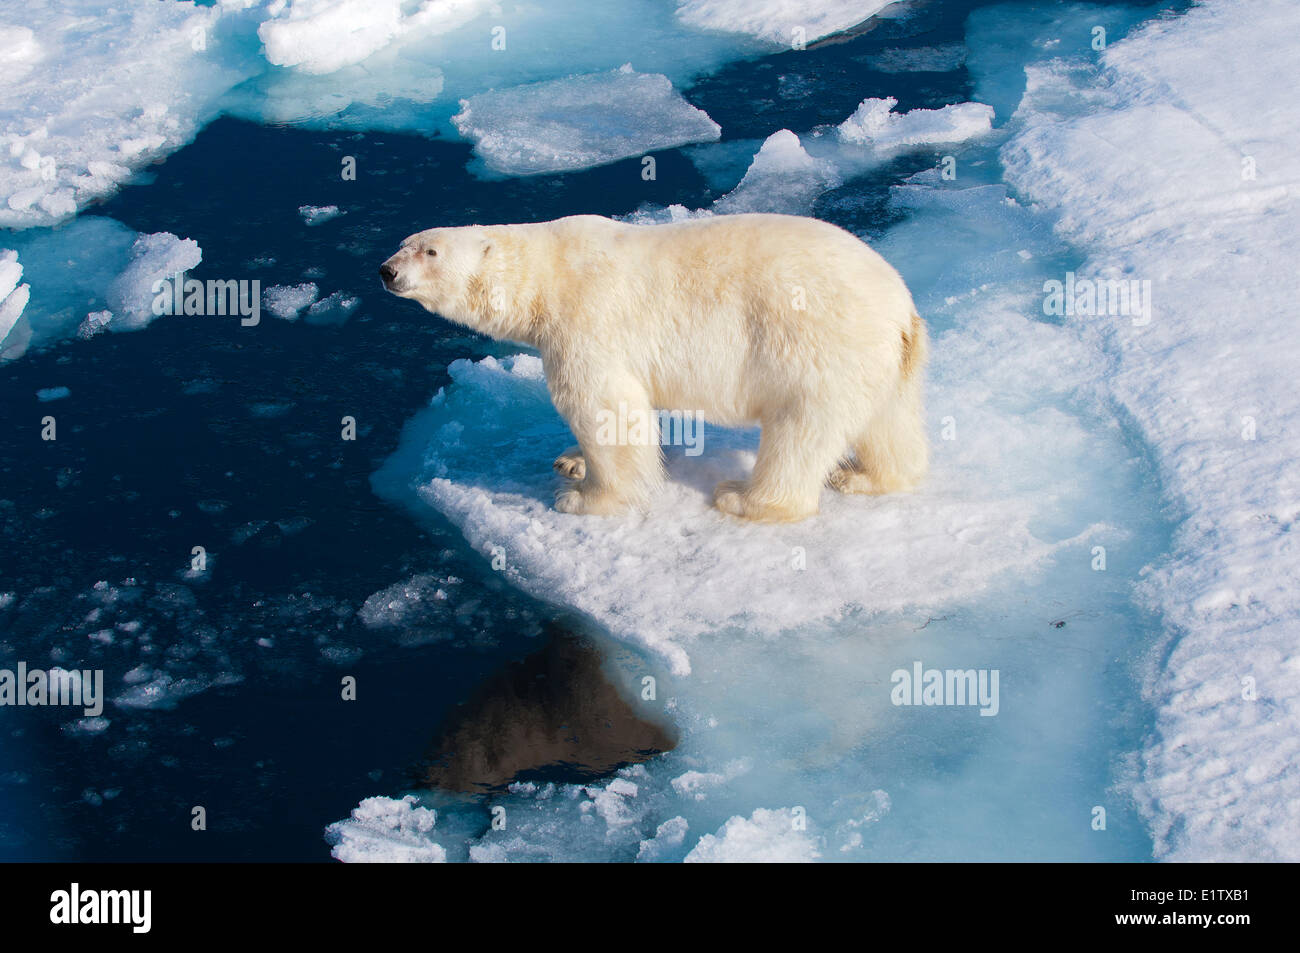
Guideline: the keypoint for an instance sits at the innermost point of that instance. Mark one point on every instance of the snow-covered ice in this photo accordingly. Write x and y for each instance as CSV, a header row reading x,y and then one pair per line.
x,y
1175,163
93,94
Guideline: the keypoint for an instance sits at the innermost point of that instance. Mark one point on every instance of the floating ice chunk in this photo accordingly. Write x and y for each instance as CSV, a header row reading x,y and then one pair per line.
x,y
764,837
423,601
877,124
159,690
786,22
385,830
319,214
154,258
321,36
88,726
287,301
13,299
696,784
580,121
1207,378
10,274
47,394
655,215
670,835
782,178
334,309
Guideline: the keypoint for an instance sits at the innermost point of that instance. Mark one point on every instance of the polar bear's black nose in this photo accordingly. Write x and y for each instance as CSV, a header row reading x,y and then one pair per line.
x,y
387,272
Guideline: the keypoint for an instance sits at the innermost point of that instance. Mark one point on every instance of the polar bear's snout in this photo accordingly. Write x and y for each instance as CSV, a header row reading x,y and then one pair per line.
x,y
390,274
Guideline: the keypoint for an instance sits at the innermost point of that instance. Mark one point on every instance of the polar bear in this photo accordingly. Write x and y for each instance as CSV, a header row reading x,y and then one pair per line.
x,y
784,321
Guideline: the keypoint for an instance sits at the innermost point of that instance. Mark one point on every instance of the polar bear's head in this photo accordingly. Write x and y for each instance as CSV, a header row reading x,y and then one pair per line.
x,y
437,267
485,277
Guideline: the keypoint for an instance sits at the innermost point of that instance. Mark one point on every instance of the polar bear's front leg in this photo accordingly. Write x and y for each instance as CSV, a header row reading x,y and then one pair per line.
x,y
615,477
616,463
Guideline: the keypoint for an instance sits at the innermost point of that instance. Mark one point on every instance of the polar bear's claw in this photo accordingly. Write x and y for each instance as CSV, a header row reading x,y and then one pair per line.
x,y
571,464
590,503
847,480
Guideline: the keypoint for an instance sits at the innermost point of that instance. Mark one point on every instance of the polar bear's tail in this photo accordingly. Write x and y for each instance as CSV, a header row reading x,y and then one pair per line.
x,y
915,348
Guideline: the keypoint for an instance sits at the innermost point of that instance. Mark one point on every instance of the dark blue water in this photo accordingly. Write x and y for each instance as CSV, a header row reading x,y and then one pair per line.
x,y
168,443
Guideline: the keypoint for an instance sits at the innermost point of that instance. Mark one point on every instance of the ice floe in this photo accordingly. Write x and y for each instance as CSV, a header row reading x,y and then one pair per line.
x,y
580,121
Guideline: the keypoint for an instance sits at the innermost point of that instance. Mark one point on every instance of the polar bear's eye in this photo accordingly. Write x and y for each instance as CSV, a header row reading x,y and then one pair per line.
x,y
432,253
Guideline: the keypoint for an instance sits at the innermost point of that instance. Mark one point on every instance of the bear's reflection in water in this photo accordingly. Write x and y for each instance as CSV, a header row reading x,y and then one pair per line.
x,y
553,716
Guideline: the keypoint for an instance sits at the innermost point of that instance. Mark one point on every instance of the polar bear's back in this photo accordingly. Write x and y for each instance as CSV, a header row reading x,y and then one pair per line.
x,y
793,265
734,313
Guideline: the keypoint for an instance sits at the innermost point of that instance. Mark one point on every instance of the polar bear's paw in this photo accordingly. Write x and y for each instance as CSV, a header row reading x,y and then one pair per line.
x,y
571,464
849,480
579,502
734,498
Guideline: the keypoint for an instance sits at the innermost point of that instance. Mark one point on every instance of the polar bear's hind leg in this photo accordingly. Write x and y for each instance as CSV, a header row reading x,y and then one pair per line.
x,y
795,454
891,455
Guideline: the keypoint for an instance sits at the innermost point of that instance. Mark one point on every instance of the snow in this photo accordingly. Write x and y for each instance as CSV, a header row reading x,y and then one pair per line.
x,y
1208,209
776,21
580,121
